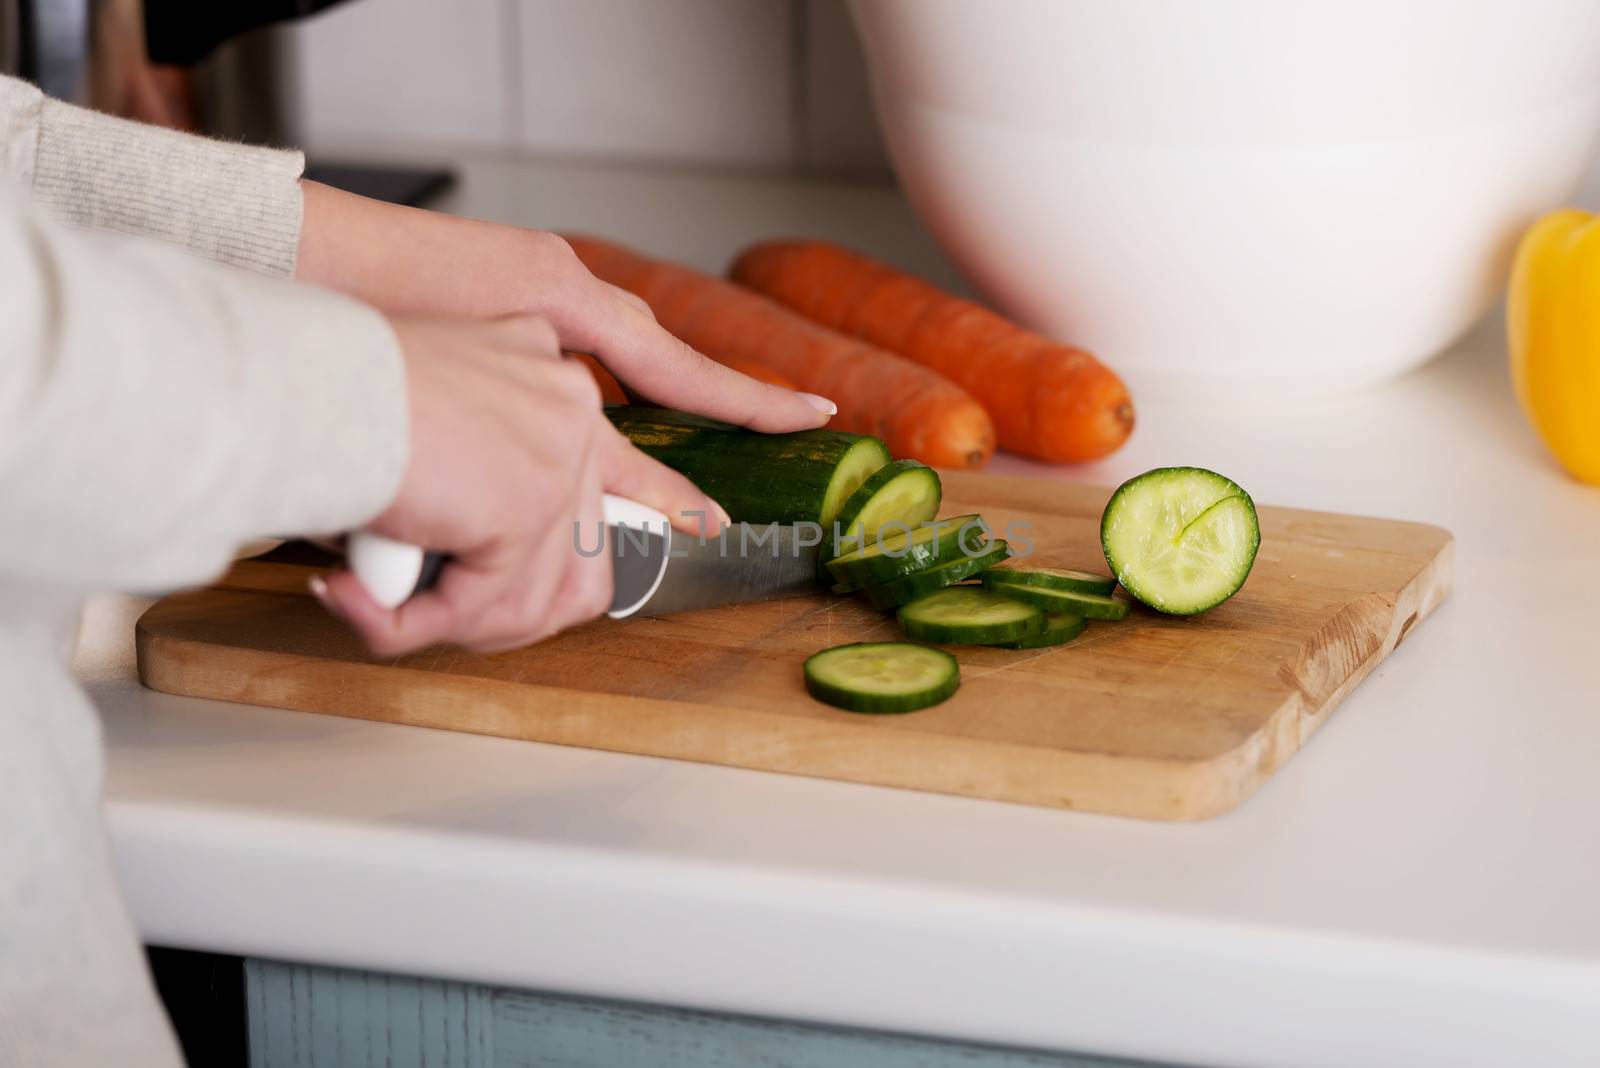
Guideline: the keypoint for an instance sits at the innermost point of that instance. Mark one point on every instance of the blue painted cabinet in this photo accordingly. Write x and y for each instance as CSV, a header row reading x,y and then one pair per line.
x,y
306,1017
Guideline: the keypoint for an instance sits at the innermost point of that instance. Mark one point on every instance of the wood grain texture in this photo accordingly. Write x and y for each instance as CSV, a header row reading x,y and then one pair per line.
x,y
309,1017
1154,717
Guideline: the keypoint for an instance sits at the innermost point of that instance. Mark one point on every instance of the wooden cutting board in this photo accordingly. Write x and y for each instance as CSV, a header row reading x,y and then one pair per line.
x,y
1154,717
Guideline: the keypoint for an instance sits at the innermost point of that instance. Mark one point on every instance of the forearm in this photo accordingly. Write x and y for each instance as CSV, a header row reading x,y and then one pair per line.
x,y
155,410
409,261
236,204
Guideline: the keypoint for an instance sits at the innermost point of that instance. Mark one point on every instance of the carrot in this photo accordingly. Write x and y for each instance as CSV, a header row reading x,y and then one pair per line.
x,y
1048,400
918,412
610,388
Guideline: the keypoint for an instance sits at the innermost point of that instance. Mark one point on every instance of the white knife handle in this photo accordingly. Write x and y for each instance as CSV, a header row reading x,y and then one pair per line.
x,y
389,570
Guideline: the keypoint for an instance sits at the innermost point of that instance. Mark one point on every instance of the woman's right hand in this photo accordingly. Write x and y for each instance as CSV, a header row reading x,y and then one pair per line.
x,y
509,457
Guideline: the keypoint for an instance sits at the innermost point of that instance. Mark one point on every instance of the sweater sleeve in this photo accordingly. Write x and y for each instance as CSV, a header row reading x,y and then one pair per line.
x,y
234,203
156,410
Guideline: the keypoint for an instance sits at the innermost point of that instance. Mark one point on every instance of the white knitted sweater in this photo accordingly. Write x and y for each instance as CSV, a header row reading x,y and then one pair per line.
x,y
156,410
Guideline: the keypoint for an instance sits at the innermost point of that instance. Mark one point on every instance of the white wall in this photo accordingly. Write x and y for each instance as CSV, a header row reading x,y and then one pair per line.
x,y
767,84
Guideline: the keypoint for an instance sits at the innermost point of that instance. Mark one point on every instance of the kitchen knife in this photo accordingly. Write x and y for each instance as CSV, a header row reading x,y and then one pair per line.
x,y
655,570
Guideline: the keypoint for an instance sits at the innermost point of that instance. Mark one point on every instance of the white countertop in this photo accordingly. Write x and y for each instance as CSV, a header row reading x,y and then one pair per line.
x,y
1419,886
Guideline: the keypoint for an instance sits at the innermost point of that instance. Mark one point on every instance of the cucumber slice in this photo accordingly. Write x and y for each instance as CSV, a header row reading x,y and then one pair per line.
x,y
1056,578
1059,628
882,676
1180,539
969,615
904,491
804,477
922,583
899,553
1089,605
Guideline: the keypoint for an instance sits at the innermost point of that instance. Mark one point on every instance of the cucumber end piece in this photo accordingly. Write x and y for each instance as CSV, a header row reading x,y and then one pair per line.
x,y
1180,540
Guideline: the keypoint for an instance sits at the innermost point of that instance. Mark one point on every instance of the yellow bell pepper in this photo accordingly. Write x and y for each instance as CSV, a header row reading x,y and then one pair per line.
x,y
1553,323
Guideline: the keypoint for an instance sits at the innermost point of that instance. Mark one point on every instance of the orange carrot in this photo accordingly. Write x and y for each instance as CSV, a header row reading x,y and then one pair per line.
x,y
918,412
1048,400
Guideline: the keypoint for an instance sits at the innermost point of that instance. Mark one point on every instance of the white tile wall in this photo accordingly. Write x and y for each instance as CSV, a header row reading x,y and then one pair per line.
x,y
769,84
388,73
679,80
839,132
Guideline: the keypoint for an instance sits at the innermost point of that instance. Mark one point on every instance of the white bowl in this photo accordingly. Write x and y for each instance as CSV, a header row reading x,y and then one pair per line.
x,y
1263,195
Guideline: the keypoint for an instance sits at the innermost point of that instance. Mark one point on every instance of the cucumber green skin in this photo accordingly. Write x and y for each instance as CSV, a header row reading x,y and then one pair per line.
x,y
1026,576
921,583
857,502
971,634
1131,584
881,568
877,703
1088,605
757,478
1059,628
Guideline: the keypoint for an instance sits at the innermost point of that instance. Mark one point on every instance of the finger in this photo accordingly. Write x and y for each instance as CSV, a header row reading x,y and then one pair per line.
x,y
659,367
585,589
633,299
566,580
445,613
522,615
629,473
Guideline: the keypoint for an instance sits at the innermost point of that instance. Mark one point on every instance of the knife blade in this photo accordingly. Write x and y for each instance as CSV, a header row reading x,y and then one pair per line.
x,y
747,563
655,570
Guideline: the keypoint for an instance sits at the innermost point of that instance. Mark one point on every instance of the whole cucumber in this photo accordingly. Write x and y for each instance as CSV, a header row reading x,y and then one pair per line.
x,y
802,477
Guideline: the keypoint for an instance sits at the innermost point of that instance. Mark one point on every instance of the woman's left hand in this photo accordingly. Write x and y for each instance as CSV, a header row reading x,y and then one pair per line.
x,y
407,261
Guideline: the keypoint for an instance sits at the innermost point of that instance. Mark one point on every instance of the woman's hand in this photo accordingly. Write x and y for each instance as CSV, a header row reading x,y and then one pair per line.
x,y
412,262
509,457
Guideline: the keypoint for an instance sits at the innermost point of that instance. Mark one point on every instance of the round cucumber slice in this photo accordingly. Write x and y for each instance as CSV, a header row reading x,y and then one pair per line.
x,y
1089,605
1056,578
900,552
904,491
922,583
969,615
1180,539
882,676
1059,628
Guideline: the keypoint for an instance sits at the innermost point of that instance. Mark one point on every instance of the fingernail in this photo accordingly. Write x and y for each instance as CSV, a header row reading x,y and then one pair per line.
x,y
821,404
319,589
722,514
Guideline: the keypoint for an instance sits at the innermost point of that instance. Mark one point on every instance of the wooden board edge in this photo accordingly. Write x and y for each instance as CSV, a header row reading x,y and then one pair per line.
x,y
1308,706
900,759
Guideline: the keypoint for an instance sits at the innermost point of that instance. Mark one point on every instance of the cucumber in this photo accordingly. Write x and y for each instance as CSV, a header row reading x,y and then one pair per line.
x,y
1055,578
904,491
1180,539
803,477
921,583
1059,628
899,553
1090,605
881,676
969,615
